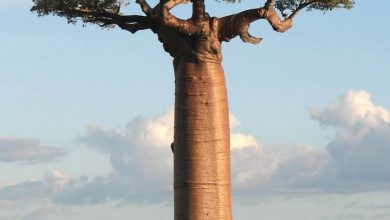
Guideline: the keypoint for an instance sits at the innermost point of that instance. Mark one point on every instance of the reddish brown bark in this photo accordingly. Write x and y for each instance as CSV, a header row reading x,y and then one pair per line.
x,y
201,143
202,134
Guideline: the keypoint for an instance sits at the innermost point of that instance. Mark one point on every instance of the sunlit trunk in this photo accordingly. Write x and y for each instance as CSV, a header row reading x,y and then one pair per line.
x,y
201,143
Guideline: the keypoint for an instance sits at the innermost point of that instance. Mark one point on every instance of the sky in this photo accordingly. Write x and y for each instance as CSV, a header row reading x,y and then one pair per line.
x,y
86,118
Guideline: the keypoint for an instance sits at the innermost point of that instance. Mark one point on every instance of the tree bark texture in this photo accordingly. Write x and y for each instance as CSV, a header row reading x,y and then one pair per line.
x,y
201,143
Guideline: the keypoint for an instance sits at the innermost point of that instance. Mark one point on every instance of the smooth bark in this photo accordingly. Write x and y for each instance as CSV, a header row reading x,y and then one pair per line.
x,y
201,143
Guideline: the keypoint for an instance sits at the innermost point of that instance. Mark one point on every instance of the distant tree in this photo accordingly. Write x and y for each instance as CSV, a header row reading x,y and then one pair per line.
x,y
201,137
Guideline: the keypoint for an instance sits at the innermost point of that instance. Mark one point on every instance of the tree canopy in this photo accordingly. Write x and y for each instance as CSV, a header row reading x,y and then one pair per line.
x,y
107,13
200,34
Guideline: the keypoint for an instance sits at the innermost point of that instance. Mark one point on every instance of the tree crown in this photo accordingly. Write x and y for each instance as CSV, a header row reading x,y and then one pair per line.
x,y
200,34
76,10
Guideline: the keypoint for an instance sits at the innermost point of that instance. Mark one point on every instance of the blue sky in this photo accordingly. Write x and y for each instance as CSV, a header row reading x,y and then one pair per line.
x,y
86,118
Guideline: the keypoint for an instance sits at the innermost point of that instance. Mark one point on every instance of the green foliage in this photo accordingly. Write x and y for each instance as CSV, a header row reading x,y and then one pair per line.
x,y
323,5
86,10
291,6
75,10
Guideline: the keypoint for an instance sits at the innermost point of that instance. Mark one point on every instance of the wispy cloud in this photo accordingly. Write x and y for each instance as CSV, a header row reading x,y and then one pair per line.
x,y
31,190
27,150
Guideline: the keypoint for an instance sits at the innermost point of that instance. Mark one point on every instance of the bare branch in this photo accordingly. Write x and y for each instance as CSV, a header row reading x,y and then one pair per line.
x,y
168,19
281,25
269,3
105,22
274,20
105,14
238,24
133,28
145,7
132,23
198,9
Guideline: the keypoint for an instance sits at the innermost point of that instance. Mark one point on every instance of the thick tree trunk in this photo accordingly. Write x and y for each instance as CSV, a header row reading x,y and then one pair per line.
x,y
201,143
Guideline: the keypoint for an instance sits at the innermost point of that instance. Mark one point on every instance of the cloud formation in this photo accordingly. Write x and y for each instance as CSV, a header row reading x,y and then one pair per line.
x,y
34,189
142,164
27,150
360,149
141,158
355,107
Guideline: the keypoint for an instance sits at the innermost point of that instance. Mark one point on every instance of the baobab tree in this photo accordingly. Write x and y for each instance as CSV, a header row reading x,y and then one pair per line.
x,y
201,135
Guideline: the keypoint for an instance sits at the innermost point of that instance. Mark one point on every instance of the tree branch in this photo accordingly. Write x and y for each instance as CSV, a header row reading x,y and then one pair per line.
x,y
184,26
238,24
268,12
132,27
145,7
302,5
106,14
198,9
132,23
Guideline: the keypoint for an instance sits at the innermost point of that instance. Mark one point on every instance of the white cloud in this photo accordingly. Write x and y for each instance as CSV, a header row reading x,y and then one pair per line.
x,y
251,167
240,141
141,150
350,109
33,189
356,206
361,147
141,158
56,178
233,121
27,150
261,169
